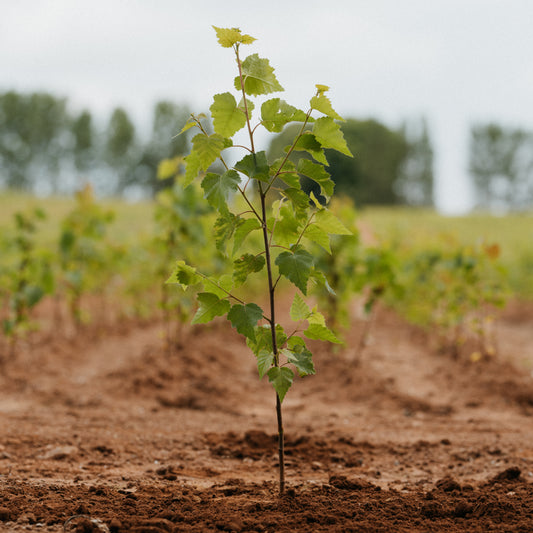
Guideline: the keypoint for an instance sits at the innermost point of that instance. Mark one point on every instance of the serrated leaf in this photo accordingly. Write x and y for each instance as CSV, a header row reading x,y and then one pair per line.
x,y
188,125
265,360
296,267
223,229
328,222
321,279
302,359
193,166
287,228
281,379
219,188
227,37
319,175
258,77
249,105
228,118
219,286
316,317
243,230
288,173
308,143
299,309
319,236
322,103
210,306
208,148
245,265
254,166
321,333
244,318
276,113
299,200
263,338
184,275
328,133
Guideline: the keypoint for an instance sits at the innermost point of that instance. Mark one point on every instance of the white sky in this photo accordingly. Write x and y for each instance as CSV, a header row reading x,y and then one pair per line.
x,y
453,61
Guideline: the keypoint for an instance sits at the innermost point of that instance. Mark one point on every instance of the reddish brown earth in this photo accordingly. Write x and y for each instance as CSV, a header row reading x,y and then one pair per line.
x,y
111,432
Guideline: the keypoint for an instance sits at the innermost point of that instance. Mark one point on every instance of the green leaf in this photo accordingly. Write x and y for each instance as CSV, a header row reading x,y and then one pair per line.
x,y
323,104
288,174
208,148
287,228
302,359
299,309
227,37
265,360
244,318
328,133
258,77
319,175
223,229
249,105
228,118
184,275
189,124
281,379
320,279
193,166
245,265
296,267
321,333
254,166
243,230
329,223
263,338
308,143
298,198
219,189
219,287
276,113
210,307
318,235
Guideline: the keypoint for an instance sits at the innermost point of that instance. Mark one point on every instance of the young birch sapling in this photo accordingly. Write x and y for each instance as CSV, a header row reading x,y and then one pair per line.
x,y
275,206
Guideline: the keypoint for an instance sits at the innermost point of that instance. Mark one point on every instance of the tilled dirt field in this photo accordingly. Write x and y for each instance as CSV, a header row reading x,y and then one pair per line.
x,y
114,431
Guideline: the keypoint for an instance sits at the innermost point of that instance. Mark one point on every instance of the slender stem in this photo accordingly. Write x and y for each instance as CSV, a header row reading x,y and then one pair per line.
x,y
271,285
271,291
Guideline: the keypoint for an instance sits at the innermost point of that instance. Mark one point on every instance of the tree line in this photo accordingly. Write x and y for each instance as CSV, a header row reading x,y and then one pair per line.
x,y
46,147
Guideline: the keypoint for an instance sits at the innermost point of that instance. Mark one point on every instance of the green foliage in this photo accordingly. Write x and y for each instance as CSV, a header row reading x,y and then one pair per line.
x,y
392,166
501,159
27,275
453,290
83,251
284,219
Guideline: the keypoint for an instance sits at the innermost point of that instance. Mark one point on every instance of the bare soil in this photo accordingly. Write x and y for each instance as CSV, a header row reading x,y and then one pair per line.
x,y
113,430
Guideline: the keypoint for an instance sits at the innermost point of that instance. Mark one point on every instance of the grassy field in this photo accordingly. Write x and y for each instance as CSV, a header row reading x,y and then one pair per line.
x,y
133,221
416,228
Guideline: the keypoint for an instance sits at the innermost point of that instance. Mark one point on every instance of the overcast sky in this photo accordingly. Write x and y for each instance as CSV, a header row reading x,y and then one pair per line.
x,y
453,61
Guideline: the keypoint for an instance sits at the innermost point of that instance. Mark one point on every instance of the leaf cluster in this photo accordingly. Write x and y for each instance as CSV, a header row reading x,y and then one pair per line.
x,y
252,208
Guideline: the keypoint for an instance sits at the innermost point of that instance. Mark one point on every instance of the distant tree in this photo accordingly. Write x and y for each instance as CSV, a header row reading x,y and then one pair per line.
x,y
501,166
121,152
33,138
83,149
375,173
415,184
164,143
